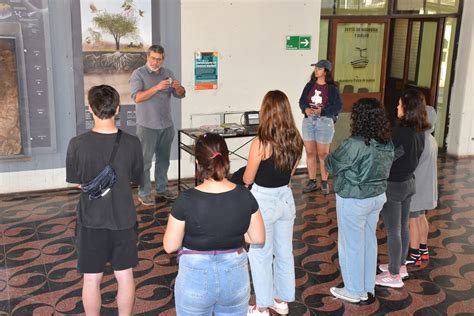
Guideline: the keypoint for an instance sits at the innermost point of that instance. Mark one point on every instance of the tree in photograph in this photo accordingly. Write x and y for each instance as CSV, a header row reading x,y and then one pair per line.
x,y
116,24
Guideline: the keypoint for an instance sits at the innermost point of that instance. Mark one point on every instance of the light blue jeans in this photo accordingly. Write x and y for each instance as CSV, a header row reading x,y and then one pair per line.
x,y
357,241
274,278
155,142
207,284
318,128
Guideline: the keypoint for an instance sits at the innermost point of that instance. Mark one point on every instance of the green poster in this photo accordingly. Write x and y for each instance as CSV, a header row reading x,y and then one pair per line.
x,y
205,70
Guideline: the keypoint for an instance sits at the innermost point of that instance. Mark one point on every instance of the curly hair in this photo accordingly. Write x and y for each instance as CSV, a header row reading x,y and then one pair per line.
x,y
278,130
212,157
368,120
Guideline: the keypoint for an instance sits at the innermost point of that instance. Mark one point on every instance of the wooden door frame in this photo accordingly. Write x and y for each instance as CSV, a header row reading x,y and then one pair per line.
x,y
348,99
436,58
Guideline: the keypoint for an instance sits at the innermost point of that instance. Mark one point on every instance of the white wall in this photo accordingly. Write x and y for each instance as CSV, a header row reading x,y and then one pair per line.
x,y
460,138
250,37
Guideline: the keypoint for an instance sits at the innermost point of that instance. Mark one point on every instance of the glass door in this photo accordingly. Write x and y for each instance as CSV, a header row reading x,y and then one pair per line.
x,y
414,60
359,50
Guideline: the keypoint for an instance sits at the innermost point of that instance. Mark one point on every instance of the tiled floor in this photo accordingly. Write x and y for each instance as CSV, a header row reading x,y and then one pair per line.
x,y
38,260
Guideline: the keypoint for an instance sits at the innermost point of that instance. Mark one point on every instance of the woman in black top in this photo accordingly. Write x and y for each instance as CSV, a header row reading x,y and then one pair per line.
x,y
210,224
273,156
408,138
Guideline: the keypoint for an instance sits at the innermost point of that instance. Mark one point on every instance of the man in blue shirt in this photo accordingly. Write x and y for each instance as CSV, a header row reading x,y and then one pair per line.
x,y
151,88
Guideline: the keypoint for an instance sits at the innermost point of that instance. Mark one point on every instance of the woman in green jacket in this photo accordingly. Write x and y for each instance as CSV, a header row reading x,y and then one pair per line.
x,y
361,166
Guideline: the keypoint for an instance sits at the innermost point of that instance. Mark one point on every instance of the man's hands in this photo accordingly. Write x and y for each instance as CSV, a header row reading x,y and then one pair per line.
x,y
167,83
163,85
178,88
142,96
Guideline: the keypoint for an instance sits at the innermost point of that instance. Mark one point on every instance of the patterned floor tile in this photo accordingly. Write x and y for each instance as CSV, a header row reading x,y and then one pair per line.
x,y
38,258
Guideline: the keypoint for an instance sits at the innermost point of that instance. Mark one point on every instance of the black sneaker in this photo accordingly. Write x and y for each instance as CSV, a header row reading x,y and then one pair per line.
x,y
311,186
411,259
147,199
169,195
324,187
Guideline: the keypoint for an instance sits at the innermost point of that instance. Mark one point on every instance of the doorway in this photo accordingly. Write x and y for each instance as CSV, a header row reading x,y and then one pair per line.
x,y
414,60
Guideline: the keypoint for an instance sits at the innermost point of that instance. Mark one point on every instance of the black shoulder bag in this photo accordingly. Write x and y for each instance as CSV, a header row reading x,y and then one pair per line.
x,y
105,180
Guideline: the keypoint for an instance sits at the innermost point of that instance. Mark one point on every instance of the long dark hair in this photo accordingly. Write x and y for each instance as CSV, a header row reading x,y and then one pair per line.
x,y
278,130
414,106
368,120
212,157
327,76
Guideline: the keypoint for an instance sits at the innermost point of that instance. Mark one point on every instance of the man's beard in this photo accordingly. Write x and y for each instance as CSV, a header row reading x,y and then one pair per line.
x,y
153,68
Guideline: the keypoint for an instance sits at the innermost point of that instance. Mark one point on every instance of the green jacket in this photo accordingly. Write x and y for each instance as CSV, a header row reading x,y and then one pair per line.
x,y
360,170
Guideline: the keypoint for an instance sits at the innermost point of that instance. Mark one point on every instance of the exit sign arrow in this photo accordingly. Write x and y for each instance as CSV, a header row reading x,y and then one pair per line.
x,y
298,42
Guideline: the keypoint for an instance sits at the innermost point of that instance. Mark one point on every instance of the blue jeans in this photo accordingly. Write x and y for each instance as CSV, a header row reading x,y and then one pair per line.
x,y
274,278
357,241
395,214
207,284
155,142
318,128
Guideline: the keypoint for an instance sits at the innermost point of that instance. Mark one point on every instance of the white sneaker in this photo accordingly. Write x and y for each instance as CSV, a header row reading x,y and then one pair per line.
x,y
364,297
253,310
403,270
280,308
342,294
389,280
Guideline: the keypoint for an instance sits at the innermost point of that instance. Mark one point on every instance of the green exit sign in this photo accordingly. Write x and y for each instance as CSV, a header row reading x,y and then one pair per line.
x,y
298,42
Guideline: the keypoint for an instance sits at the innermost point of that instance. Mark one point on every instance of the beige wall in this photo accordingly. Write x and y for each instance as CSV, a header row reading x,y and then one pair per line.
x,y
250,37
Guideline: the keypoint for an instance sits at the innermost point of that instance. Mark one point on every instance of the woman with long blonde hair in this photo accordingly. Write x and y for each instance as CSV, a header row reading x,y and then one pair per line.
x,y
274,155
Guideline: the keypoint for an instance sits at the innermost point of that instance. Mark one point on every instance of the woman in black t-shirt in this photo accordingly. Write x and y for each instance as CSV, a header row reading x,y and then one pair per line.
x,y
273,156
408,138
210,224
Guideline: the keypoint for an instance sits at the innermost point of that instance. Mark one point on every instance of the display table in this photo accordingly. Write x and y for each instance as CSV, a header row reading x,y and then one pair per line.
x,y
187,137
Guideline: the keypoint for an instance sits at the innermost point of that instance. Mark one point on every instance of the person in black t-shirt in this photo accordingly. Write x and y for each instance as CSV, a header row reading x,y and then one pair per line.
x,y
209,224
409,140
106,227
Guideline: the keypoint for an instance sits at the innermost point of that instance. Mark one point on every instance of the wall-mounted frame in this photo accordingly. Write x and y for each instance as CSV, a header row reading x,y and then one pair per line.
x,y
14,122
32,24
100,57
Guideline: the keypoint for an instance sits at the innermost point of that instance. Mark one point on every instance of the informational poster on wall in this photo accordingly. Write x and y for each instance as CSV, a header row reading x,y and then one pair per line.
x,y
115,37
32,20
205,70
359,52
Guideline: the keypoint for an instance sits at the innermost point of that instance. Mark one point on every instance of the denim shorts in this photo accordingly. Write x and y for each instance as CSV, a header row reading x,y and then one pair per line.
x,y
207,284
318,128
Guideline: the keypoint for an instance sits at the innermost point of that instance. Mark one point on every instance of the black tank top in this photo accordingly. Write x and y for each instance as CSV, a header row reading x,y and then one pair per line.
x,y
270,177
